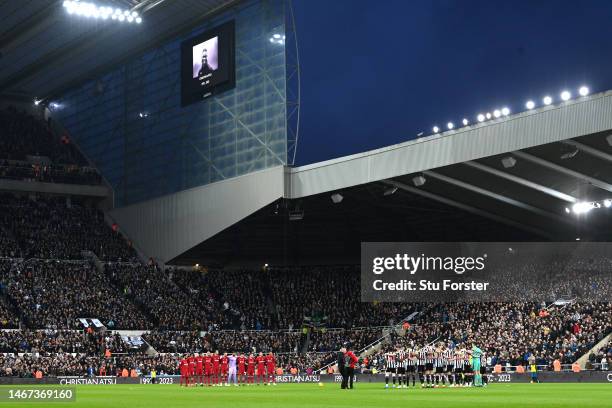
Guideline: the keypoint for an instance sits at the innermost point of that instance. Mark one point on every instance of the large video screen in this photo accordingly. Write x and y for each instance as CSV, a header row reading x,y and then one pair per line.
x,y
207,64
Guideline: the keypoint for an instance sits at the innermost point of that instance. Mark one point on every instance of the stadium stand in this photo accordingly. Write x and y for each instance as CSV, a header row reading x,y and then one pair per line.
x,y
54,294
69,228
302,314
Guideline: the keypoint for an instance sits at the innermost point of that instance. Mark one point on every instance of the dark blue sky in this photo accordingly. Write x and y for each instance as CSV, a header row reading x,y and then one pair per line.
x,y
377,72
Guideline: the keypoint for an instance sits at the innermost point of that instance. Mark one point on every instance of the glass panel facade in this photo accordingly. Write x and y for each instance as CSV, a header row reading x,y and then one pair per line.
x,y
130,123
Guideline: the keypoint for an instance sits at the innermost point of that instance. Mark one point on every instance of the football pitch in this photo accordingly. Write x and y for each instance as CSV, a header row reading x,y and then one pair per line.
x,y
329,395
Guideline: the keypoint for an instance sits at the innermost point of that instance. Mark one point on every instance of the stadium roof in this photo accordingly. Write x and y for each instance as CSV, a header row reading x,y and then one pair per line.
x,y
50,51
554,157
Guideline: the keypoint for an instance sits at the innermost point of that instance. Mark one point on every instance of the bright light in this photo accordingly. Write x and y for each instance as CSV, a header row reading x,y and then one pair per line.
x,y
566,95
547,100
567,210
530,105
497,113
480,117
582,208
505,111
450,125
488,115
138,20
36,102
583,91
90,10
277,36
607,203
465,122
578,239
436,129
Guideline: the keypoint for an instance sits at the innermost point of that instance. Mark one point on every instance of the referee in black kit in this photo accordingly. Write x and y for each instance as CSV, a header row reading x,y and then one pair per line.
x,y
342,367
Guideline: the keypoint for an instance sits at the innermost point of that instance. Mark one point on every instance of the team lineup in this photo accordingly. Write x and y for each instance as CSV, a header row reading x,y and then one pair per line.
x,y
434,366
214,369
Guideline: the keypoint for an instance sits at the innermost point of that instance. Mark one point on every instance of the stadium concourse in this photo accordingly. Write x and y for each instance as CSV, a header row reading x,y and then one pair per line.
x,y
63,267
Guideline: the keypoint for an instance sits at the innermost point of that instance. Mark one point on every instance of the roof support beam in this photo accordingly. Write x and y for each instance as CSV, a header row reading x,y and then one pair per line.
x,y
523,182
564,170
470,209
589,150
498,197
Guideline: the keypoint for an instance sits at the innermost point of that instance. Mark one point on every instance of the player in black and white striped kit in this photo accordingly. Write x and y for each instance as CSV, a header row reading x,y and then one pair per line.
x,y
439,365
412,365
400,359
449,356
390,368
429,366
458,365
422,365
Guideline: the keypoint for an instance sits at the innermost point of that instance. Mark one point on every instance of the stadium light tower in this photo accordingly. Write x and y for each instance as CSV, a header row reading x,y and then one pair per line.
x,y
583,91
566,95
547,100
530,105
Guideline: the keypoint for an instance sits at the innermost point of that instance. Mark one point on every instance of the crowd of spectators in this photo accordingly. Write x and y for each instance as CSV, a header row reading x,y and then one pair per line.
x,y
238,295
510,333
9,248
154,290
24,135
30,151
333,340
178,341
53,294
60,341
328,296
57,228
48,173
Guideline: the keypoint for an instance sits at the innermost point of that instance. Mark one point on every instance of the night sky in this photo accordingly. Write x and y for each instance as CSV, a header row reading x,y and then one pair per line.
x,y
378,72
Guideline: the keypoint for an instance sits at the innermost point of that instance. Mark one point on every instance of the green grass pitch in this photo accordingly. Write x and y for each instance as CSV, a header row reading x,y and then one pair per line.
x,y
329,395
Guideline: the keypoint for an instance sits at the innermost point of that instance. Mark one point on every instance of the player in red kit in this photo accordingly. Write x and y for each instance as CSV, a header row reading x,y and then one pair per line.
x,y
261,369
215,370
192,368
270,367
224,366
207,368
184,367
241,369
200,368
251,369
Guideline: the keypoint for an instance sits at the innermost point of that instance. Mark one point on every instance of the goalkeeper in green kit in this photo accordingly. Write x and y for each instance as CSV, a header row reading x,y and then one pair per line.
x,y
476,354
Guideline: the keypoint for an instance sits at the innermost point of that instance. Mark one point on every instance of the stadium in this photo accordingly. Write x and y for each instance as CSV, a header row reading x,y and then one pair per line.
x,y
162,245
